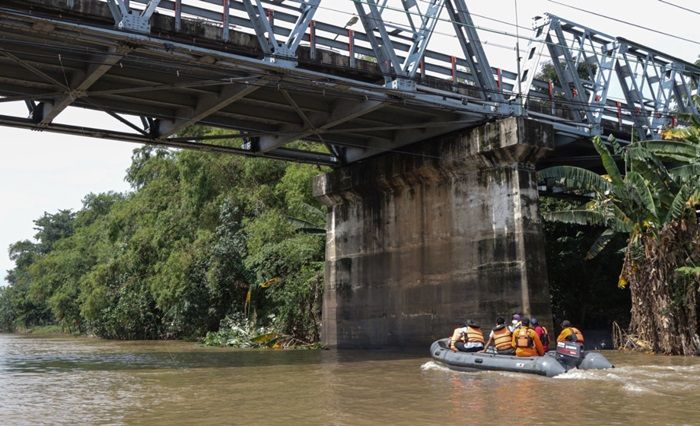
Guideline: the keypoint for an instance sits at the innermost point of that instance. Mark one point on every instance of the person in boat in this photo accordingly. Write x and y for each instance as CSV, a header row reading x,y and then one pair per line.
x,y
569,333
501,338
514,323
526,342
468,338
541,331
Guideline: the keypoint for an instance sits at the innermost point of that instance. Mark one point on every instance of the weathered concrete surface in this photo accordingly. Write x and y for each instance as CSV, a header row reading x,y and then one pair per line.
x,y
421,239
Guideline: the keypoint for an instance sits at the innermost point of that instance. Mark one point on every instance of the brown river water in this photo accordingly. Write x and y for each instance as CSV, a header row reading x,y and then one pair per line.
x,y
64,380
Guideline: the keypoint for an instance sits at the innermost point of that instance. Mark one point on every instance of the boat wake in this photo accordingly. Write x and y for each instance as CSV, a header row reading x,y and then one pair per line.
x,y
643,379
433,366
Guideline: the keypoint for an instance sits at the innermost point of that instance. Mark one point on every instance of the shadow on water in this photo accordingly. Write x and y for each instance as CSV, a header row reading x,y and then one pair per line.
x,y
99,355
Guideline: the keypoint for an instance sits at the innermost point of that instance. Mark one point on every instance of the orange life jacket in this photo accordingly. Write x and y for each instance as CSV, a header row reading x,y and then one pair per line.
x,y
575,335
474,335
523,338
502,338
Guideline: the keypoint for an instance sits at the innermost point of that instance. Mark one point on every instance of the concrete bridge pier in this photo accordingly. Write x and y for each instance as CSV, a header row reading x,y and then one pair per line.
x,y
419,240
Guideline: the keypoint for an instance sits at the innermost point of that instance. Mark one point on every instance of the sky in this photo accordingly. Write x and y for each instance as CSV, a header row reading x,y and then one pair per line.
x,y
44,172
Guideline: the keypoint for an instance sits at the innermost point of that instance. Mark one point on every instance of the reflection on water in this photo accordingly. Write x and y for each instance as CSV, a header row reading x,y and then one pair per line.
x,y
90,381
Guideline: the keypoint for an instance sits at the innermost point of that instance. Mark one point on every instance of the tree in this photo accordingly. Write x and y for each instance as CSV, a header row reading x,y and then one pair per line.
x,y
555,103
179,254
7,314
584,70
52,227
652,201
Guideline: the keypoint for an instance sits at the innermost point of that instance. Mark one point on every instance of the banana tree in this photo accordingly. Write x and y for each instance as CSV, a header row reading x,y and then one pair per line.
x,y
651,199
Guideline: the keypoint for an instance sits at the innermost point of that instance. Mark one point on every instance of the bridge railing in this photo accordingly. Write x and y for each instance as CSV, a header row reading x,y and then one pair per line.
x,y
605,81
601,82
323,36
579,104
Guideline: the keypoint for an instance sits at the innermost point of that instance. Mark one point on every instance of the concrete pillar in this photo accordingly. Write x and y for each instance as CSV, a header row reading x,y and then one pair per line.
x,y
445,230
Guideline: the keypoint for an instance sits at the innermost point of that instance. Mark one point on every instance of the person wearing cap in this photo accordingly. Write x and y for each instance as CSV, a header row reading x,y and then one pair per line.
x,y
541,332
468,338
501,338
514,323
569,333
526,342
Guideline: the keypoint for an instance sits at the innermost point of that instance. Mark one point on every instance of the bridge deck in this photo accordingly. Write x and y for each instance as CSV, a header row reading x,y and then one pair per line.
x,y
192,76
61,53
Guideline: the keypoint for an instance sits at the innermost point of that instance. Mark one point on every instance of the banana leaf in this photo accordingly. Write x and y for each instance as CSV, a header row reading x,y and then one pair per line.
x,y
692,271
641,190
620,221
672,150
608,161
617,148
268,339
600,243
576,177
576,217
678,207
687,172
661,185
306,227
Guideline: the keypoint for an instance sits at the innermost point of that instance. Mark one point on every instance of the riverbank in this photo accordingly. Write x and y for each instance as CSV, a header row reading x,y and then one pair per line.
x,y
46,331
222,339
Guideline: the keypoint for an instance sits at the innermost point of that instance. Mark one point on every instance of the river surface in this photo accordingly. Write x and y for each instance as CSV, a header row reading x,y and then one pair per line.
x,y
90,381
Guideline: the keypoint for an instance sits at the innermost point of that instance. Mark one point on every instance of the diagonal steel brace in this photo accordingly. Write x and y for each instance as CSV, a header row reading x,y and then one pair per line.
x,y
127,19
274,51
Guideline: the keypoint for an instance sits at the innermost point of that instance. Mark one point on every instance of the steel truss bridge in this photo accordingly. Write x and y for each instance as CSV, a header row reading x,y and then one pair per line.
x,y
270,75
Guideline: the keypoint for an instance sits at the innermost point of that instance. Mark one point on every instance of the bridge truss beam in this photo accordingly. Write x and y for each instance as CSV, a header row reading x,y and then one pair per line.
x,y
261,19
268,72
183,143
588,64
207,105
397,73
82,81
583,61
653,83
128,19
229,90
342,112
473,51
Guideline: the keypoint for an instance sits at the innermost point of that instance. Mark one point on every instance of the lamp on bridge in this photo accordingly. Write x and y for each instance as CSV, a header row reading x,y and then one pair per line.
x,y
352,21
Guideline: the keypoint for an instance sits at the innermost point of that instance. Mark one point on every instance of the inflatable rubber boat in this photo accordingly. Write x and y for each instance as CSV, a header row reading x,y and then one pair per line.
x,y
566,357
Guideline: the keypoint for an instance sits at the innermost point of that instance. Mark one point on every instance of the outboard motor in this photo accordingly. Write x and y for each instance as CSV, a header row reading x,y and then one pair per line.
x,y
570,354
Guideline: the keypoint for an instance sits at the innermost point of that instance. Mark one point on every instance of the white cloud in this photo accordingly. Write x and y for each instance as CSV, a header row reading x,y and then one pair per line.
x,y
44,172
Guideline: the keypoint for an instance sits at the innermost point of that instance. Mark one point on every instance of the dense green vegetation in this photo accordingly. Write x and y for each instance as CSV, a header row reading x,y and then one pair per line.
x,y
652,200
201,239
583,289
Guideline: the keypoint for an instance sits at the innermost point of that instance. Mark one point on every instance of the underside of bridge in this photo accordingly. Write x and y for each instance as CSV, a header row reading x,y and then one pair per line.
x,y
57,54
269,75
420,240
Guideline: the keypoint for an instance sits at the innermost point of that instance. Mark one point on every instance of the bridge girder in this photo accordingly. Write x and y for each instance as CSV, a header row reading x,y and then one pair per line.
x,y
262,71
207,105
283,53
473,51
127,18
588,63
98,66
342,112
397,73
